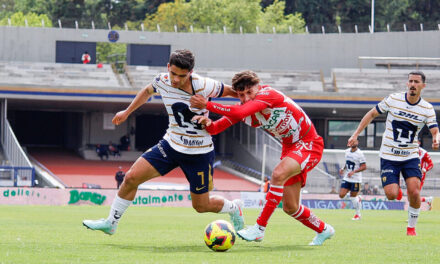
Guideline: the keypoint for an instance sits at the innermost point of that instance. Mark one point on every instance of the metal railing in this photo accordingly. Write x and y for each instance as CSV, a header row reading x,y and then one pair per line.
x,y
18,167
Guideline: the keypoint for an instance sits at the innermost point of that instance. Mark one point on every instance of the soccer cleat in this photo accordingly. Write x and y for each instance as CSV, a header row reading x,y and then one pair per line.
x,y
251,233
429,202
399,195
411,231
237,216
327,233
101,224
356,217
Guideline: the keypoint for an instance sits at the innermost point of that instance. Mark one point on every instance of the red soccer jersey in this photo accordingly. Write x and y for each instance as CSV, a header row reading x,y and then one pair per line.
x,y
270,110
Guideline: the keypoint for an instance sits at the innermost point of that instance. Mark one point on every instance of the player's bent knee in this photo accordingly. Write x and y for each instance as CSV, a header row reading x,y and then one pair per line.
x,y
414,193
200,208
278,176
131,180
391,196
290,208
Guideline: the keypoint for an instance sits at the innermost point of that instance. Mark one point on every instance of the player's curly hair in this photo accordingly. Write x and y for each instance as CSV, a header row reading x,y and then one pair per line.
x,y
244,80
183,59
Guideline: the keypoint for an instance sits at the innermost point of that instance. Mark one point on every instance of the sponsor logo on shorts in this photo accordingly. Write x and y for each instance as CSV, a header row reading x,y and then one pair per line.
x,y
200,188
162,151
386,171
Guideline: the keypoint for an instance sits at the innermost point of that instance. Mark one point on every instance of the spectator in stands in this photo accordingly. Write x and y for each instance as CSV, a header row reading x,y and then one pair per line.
x,y
125,142
367,189
266,184
102,151
114,150
375,190
85,58
119,177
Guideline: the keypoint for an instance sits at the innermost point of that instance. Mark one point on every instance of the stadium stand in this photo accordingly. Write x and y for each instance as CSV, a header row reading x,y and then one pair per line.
x,y
58,75
379,81
288,81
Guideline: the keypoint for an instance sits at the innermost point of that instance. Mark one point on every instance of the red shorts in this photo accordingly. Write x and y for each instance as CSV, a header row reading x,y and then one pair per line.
x,y
307,153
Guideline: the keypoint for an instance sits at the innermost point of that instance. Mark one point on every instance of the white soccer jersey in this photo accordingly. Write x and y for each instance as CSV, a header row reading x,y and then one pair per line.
x,y
353,161
182,134
404,122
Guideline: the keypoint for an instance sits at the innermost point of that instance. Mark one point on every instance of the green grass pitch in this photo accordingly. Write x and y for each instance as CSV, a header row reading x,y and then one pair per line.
x,y
54,234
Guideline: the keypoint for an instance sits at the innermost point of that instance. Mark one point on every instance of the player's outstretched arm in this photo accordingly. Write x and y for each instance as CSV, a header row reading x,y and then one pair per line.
x,y
237,111
141,97
214,127
228,91
435,137
366,120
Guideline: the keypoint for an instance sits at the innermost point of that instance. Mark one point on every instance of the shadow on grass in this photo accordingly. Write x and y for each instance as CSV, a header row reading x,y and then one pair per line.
x,y
251,247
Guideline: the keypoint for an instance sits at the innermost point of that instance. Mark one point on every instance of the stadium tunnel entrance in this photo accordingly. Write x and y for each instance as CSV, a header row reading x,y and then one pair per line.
x,y
47,128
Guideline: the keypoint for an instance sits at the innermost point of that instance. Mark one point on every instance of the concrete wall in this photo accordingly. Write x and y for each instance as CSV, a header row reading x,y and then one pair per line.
x,y
94,132
235,51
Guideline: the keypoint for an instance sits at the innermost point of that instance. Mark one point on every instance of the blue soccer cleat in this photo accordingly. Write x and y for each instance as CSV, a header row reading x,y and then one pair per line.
x,y
237,216
327,233
101,225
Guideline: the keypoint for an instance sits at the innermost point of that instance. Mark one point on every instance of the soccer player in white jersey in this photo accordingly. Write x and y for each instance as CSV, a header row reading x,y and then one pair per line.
x,y
408,113
352,172
186,144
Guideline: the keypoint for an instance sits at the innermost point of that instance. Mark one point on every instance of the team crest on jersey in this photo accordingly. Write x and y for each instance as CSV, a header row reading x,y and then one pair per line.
x,y
384,179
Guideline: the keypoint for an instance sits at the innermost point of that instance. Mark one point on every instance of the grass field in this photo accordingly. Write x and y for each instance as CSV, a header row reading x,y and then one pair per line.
x,y
54,234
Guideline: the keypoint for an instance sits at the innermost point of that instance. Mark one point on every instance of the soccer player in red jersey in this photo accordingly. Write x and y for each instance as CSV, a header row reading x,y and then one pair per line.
x,y
426,165
269,109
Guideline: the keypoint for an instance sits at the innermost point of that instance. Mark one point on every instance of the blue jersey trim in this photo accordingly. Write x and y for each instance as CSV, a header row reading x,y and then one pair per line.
x,y
378,109
221,90
411,103
432,126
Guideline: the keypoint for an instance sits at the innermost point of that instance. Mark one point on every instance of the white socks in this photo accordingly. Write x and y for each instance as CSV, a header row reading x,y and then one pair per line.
x,y
228,207
356,204
413,215
118,208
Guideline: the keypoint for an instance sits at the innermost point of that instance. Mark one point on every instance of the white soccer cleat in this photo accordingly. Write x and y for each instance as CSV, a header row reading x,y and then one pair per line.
x,y
101,225
237,216
251,233
319,239
356,217
429,202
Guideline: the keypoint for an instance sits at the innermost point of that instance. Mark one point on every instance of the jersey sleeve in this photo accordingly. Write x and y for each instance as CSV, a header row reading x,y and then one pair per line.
x,y
236,112
362,159
384,105
221,125
269,96
213,88
431,121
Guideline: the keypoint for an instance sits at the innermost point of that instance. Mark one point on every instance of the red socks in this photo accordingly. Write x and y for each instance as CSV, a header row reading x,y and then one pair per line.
x,y
307,218
273,198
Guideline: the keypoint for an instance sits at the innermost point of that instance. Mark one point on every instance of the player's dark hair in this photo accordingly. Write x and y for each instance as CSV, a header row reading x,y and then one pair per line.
x,y
421,74
244,80
183,59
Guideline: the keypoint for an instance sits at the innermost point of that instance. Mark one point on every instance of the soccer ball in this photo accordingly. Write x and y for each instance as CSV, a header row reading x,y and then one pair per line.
x,y
219,235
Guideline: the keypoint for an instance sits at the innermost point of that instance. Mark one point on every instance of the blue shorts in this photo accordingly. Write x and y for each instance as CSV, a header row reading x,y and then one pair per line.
x,y
197,168
352,186
390,170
